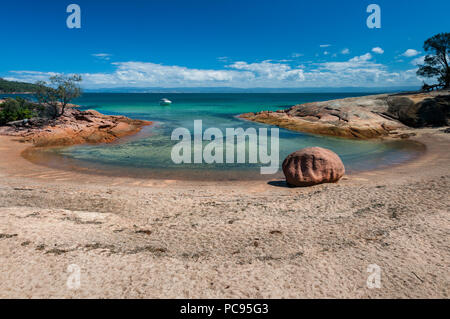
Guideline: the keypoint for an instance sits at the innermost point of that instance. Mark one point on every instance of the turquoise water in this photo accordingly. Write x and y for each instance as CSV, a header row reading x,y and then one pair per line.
x,y
148,153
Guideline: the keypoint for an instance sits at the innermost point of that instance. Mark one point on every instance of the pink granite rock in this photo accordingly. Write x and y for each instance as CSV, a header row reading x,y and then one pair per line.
x,y
312,166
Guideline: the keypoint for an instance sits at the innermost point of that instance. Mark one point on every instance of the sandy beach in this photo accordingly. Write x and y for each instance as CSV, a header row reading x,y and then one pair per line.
x,y
225,154
140,238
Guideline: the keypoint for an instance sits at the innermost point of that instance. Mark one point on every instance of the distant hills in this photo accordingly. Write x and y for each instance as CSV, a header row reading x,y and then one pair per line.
x,y
252,90
16,87
22,87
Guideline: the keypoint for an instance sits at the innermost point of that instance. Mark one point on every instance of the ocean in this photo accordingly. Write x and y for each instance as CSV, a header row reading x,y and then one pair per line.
x,y
148,154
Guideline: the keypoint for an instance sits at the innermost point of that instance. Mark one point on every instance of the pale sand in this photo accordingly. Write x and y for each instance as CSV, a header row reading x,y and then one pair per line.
x,y
171,239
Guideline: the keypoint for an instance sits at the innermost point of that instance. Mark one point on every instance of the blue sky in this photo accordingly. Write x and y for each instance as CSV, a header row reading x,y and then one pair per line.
x,y
196,43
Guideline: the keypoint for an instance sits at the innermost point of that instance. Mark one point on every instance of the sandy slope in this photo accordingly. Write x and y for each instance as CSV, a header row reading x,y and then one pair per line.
x,y
149,238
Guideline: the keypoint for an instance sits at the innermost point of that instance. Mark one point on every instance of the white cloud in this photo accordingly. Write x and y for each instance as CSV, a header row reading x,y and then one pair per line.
x,y
102,56
29,76
357,71
296,55
357,62
378,50
418,60
223,58
268,70
410,53
147,73
345,51
325,45
361,58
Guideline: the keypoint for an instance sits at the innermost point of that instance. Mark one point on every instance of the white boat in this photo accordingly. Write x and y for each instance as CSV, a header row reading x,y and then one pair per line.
x,y
165,102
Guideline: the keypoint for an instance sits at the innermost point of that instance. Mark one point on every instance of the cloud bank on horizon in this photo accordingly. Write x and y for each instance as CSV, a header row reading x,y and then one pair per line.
x,y
358,71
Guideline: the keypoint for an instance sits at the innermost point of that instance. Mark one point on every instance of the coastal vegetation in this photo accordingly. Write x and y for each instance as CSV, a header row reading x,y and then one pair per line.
x,y
52,98
18,109
436,62
58,93
16,87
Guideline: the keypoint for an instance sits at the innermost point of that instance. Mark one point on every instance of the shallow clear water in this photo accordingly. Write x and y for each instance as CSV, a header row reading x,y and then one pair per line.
x,y
148,153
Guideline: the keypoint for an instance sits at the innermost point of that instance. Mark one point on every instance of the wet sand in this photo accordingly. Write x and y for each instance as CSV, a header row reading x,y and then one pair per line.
x,y
143,238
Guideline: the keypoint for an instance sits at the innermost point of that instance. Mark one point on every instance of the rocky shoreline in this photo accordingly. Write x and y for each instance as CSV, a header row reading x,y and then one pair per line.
x,y
74,127
364,117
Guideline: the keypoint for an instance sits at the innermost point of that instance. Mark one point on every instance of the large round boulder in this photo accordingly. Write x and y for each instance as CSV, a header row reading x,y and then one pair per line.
x,y
312,166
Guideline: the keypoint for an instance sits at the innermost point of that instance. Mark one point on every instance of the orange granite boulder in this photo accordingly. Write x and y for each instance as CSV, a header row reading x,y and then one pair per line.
x,y
312,166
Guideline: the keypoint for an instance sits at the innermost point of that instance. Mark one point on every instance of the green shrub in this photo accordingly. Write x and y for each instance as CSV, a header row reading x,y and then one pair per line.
x,y
15,110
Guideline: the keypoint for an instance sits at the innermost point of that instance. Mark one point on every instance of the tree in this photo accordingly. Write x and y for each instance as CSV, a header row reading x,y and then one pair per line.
x,y
436,64
59,92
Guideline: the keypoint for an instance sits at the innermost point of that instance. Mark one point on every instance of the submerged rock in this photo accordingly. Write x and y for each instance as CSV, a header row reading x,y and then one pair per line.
x,y
312,166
